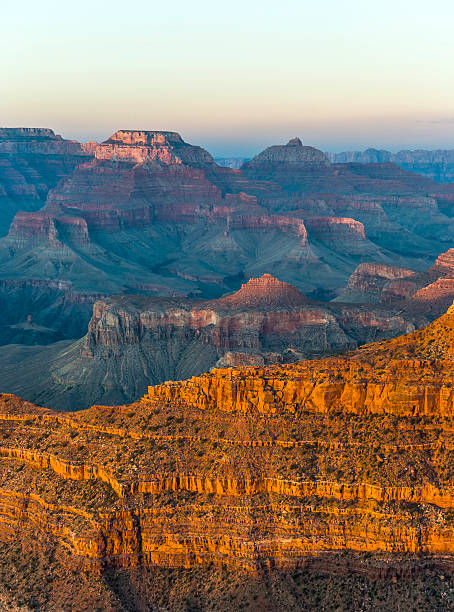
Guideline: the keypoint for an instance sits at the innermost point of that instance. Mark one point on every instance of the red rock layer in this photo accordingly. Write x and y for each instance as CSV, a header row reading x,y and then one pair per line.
x,y
32,161
266,289
444,264
39,225
142,146
198,226
374,282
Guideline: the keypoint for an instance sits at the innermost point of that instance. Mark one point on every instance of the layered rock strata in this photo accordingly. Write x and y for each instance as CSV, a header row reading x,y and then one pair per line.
x,y
32,161
430,292
145,146
247,467
375,282
135,340
145,208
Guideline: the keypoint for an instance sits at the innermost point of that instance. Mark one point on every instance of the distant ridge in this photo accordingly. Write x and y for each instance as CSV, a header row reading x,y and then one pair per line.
x,y
437,164
294,152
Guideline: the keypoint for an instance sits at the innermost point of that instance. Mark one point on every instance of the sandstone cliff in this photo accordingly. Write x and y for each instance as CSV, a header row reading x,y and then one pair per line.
x,y
149,146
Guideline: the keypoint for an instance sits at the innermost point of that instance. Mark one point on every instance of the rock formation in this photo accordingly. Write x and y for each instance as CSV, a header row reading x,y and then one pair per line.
x,y
265,291
32,161
375,282
142,146
293,153
36,312
133,341
146,209
444,264
429,292
40,141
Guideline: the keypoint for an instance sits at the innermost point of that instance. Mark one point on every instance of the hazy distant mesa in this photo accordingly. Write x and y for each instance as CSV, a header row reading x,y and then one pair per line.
x,y
437,164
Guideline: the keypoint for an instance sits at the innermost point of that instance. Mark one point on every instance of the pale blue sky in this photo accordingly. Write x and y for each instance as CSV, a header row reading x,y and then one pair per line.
x,y
233,76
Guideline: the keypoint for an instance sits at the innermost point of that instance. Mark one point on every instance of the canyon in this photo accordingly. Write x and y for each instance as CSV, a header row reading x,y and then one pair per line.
x,y
246,372
145,212
133,341
130,273
255,469
62,358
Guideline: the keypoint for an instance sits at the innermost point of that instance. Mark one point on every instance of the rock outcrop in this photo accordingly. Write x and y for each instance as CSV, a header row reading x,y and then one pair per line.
x,y
293,153
265,291
39,141
41,226
151,146
376,282
433,344
429,292
444,264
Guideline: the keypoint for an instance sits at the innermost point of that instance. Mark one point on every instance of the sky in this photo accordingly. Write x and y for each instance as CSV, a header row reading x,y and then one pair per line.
x,y
233,76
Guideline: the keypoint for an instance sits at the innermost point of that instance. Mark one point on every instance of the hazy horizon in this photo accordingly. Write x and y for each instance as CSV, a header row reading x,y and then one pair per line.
x,y
234,78
241,151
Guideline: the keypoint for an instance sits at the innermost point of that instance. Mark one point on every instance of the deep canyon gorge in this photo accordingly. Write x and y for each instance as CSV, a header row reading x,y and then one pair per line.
x,y
224,386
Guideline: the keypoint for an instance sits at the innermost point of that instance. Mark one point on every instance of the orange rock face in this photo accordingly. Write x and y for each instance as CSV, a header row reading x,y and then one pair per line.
x,y
247,467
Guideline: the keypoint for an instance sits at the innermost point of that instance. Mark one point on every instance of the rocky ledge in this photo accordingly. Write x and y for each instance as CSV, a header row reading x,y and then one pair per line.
x,y
41,141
